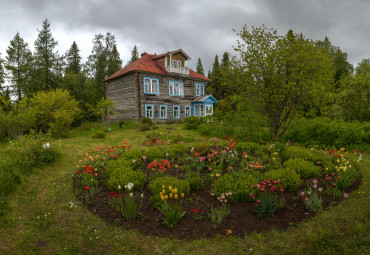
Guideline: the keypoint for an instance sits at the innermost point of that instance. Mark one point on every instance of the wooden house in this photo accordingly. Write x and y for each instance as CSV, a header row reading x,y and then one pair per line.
x,y
160,87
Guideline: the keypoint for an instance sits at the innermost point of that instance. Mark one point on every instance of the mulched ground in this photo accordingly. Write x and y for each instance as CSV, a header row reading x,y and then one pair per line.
x,y
242,218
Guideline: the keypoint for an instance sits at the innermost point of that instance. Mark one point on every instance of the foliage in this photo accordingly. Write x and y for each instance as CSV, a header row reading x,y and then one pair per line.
x,y
73,59
134,55
182,185
195,181
289,178
55,111
266,204
19,64
102,110
313,202
172,213
99,134
282,72
200,67
147,121
218,213
144,127
120,172
304,168
240,186
192,123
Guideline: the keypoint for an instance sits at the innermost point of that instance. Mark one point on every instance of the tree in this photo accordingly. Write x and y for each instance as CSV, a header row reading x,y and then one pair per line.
x,y
134,55
73,59
282,72
56,110
98,61
102,110
2,73
214,85
200,67
45,59
363,67
19,63
341,65
225,59
114,61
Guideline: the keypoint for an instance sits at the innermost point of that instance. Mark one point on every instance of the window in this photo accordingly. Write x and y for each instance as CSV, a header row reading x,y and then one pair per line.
x,y
209,110
163,111
199,89
201,109
149,111
175,63
176,88
151,86
187,111
196,110
176,111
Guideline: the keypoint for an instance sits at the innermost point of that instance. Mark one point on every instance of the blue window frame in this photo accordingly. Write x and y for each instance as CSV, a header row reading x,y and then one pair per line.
x,y
149,111
151,86
162,111
199,89
176,88
176,112
187,112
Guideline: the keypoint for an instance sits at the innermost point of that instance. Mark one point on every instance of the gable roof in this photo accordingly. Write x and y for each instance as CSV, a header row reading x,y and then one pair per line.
x,y
205,99
148,63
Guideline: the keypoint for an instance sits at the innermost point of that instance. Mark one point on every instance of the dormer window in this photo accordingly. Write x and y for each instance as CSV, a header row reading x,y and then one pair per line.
x,y
175,63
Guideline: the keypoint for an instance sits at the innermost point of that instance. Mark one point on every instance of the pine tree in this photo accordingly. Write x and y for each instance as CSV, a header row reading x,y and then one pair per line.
x,y
46,59
200,67
134,55
2,73
225,60
98,61
73,59
209,74
214,85
114,61
19,63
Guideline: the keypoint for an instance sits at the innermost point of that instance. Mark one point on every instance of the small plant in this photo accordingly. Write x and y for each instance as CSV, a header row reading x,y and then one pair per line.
x,y
218,213
312,201
170,209
147,121
99,135
130,209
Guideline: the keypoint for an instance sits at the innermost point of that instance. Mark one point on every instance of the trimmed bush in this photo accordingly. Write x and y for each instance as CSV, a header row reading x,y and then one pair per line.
x,y
192,123
182,185
144,127
146,121
240,186
304,168
196,182
99,135
120,172
289,179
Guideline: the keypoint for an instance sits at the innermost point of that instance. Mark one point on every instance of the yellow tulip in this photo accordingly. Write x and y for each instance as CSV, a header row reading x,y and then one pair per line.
x,y
164,192
163,198
182,195
176,196
217,175
170,187
166,197
171,196
163,186
211,175
175,190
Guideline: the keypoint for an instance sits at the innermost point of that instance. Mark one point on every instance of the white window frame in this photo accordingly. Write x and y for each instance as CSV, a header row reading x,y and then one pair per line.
x,y
201,110
196,111
151,85
199,89
175,63
176,108
162,106
176,88
149,113
211,113
187,111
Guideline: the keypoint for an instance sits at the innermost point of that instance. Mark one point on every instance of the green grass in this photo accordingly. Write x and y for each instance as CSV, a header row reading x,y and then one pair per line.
x,y
342,229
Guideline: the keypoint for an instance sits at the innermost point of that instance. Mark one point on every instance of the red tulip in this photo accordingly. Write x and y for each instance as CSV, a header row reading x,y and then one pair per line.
x,y
196,210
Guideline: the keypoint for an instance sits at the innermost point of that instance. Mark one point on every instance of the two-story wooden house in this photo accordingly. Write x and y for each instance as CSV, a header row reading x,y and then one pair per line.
x,y
160,87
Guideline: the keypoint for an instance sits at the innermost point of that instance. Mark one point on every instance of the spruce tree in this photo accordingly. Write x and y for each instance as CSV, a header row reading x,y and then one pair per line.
x,y
134,55
2,73
73,59
45,59
225,60
214,85
200,67
19,63
114,61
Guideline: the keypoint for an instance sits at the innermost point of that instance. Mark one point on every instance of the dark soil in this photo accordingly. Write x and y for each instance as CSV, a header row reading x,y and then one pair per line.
x,y
242,218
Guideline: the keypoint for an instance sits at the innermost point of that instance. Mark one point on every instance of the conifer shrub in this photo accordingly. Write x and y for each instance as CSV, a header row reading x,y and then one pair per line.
x,y
289,179
305,169
147,121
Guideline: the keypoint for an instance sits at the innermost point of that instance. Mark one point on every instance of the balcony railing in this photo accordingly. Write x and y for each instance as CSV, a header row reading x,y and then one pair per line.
x,y
181,70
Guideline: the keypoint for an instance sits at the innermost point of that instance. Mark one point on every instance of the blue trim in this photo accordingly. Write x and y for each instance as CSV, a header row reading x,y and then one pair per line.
x,y
173,111
182,87
201,90
150,93
187,106
160,111
198,109
152,110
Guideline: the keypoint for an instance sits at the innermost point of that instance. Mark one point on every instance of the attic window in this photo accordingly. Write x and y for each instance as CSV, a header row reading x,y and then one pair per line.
x,y
175,63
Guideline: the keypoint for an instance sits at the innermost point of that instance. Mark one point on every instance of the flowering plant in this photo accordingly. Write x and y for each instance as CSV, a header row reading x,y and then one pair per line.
x,y
159,168
170,209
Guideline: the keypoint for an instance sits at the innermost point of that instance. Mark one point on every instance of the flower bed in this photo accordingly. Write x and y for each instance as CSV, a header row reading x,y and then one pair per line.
x,y
219,187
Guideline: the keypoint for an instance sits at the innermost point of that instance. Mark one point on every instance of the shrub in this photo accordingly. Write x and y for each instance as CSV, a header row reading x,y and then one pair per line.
x,y
144,126
146,121
170,122
192,123
120,172
121,123
154,153
304,168
303,153
55,111
175,150
156,185
240,186
195,181
289,179
99,135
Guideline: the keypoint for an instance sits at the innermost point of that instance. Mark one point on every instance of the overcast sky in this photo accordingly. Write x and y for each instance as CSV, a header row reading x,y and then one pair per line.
x,y
202,28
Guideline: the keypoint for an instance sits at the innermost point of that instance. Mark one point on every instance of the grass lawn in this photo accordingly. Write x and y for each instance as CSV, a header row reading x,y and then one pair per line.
x,y
46,217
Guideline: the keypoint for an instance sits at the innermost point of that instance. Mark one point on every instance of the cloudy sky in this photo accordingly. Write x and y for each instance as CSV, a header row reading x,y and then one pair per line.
x,y
202,28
